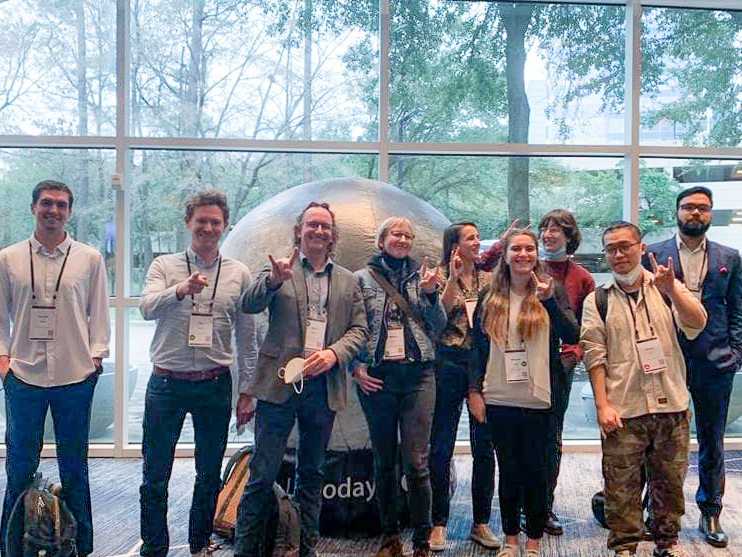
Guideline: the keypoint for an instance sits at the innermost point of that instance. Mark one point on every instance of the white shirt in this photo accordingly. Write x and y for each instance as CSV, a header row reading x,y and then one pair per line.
x,y
536,391
694,264
81,329
169,347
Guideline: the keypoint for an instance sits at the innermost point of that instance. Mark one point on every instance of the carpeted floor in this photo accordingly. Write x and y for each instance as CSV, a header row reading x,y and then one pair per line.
x,y
115,489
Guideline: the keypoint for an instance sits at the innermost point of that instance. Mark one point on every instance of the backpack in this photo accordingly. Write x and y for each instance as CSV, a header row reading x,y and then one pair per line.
x,y
40,523
282,534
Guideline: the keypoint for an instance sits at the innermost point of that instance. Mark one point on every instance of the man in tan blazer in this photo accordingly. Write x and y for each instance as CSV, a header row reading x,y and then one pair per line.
x,y
316,313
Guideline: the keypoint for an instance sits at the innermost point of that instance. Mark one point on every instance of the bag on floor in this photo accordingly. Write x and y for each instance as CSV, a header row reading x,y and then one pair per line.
x,y
234,480
282,537
40,523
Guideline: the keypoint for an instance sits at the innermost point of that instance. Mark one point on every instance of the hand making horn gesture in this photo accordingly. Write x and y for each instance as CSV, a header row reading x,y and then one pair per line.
x,y
428,278
544,290
455,265
664,276
281,270
513,227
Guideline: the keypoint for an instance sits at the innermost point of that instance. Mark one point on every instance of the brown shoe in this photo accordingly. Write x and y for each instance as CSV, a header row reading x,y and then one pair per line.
x,y
482,534
437,539
391,546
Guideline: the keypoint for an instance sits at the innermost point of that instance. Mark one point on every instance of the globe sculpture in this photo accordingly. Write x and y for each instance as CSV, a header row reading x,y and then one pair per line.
x,y
360,206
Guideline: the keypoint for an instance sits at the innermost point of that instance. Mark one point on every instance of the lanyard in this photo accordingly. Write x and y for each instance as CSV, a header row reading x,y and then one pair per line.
x,y
59,277
646,311
216,281
700,273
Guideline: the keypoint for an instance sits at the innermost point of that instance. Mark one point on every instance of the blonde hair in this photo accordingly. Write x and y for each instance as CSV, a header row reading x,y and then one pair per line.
x,y
390,223
496,318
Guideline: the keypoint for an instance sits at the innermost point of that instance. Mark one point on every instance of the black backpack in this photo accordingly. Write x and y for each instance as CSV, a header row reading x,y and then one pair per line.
x,y
41,524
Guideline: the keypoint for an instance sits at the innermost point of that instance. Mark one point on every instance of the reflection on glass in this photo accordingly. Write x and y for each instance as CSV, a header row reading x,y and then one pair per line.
x,y
307,71
88,174
162,180
690,77
48,84
472,71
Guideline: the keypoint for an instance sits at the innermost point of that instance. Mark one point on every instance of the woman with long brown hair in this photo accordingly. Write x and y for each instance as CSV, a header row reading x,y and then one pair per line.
x,y
519,322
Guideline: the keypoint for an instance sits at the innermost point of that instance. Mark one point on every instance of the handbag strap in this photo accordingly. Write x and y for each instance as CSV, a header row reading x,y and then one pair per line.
x,y
396,297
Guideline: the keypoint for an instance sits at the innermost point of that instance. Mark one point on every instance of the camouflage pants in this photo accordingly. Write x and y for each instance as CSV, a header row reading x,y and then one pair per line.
x,y
660,440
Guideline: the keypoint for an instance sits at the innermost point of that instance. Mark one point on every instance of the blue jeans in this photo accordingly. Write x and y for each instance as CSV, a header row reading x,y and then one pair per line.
x,y
711,392
406,405
26,407
165,407
452,388
273,424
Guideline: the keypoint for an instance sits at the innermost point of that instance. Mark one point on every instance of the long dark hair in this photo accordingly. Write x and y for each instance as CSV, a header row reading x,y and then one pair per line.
x,y
451,239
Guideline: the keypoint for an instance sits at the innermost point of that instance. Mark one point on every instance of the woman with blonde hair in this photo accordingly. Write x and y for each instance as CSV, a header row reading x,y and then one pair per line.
x,y
518,325
396,377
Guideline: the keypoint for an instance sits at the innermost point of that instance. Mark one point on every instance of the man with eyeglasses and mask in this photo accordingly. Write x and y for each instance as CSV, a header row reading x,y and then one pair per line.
x,y
712,273
637,372
317,325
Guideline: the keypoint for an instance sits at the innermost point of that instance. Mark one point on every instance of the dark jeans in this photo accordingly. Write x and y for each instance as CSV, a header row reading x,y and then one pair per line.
x,y
165,407
520,437
562,389
711,391
452,387
406,405
25,407
273,424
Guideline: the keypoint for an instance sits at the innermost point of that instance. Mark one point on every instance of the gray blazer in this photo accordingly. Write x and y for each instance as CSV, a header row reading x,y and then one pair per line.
x,y
288,311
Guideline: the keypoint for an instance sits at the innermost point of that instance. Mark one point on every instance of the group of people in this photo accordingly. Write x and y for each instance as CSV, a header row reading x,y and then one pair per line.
x,y
499,331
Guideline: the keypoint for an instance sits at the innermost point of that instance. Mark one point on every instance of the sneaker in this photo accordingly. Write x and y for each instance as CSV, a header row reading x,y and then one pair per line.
x,y
391,546
482,534
508,551
437,539
673,551
206,551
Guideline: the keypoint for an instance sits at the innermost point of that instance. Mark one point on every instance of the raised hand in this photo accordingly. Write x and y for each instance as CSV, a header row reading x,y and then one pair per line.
x,y
194,284
455,265
428,278
664,276
281,269
512,228
544,289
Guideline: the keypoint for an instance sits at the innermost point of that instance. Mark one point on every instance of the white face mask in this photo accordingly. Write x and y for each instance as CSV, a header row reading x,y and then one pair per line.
x,y
558,255
629,278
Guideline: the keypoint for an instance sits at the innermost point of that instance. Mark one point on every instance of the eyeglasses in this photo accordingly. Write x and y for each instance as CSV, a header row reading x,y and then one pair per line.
x,y
615,248
688,208
397,235
314,225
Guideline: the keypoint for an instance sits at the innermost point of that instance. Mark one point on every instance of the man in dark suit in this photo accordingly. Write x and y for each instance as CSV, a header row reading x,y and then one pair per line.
x,y
316,312
712,272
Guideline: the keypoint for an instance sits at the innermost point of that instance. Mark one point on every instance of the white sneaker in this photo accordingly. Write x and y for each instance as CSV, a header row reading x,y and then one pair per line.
x,y
508,551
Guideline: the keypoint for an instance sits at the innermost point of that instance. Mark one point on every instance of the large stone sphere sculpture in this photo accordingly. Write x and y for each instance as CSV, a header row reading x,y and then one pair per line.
x,y
360,206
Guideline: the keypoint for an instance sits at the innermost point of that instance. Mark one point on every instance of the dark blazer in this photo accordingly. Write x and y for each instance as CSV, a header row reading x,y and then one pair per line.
x,y
288,311
720,343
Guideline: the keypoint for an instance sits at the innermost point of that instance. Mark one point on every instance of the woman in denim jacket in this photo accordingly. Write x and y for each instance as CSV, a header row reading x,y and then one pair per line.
x,y
396,377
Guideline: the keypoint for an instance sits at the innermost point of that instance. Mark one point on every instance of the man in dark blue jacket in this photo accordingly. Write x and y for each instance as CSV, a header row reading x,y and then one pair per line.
x,y
712,272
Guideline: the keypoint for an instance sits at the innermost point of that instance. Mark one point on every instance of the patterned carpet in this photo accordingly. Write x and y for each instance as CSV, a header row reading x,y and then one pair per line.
x,y
115,489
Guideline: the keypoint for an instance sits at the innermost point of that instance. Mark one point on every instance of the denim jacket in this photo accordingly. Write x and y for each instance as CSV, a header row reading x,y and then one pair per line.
x,y
427,307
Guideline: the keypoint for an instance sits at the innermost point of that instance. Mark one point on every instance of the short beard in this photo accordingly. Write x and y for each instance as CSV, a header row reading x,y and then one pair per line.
x,y
693,229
